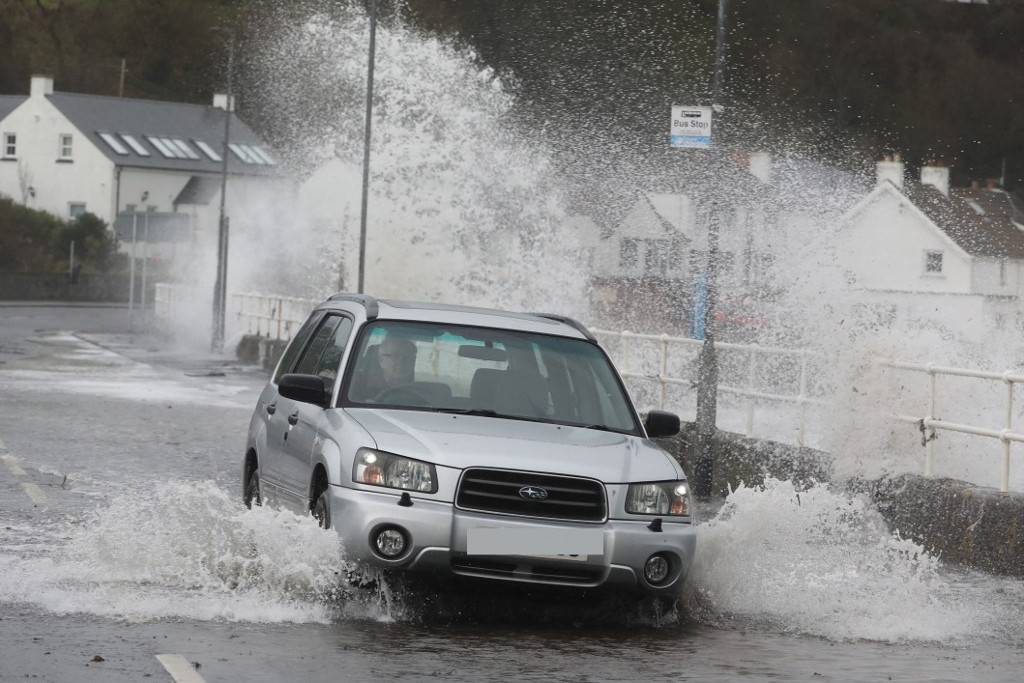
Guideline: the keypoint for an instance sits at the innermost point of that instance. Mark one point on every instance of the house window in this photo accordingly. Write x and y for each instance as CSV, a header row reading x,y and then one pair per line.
x,y
10,145
698,261
657,256
933,263
76,209
64,146
629,252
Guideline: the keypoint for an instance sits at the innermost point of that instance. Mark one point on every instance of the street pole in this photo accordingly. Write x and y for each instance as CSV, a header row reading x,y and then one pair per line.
x,y
221,284
707,372
131,275
366,147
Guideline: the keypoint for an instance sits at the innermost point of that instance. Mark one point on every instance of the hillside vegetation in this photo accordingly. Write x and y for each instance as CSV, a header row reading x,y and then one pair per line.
x,y
927,78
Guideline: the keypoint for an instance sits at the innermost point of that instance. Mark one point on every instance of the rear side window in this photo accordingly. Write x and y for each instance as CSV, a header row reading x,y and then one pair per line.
x,y
323,354
296,345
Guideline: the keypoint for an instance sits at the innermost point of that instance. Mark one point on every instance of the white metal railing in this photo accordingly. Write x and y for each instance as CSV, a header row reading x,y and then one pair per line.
x,y
928,423
268,315
749,390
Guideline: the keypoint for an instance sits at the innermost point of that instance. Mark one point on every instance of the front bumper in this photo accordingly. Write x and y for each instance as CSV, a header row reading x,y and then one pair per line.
x,y
438,540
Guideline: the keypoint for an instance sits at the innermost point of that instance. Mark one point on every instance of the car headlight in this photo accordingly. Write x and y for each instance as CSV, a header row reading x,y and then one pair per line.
x,y
393,471
671,498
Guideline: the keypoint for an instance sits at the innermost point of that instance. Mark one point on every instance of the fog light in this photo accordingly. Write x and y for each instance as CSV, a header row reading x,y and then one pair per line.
x,y
656,569
390,542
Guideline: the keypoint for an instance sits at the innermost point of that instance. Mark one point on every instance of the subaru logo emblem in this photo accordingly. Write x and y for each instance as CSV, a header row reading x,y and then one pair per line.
x,y
533,493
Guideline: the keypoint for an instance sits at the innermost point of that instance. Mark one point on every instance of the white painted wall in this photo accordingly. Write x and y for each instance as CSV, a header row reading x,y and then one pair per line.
x,y
88,178
996,277
884,248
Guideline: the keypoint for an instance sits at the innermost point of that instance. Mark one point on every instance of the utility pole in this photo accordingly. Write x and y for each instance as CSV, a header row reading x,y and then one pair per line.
x,y
703,456
220,286
366,146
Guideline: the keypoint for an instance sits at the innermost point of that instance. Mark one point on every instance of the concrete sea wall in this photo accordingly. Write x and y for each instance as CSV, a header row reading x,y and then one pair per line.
x,y
962,523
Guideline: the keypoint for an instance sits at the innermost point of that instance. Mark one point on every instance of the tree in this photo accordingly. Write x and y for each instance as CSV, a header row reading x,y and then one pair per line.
x,y
94,243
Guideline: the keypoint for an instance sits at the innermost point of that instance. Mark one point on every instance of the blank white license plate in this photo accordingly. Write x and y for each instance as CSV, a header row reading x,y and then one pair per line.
x,y
566,544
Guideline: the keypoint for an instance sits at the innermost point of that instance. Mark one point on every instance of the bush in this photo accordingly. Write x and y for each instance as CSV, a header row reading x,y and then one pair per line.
x,y
26,237
37,241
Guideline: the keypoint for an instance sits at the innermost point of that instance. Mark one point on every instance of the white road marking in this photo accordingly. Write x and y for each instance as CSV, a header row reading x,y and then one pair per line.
x,y
34,492
12,465
181,669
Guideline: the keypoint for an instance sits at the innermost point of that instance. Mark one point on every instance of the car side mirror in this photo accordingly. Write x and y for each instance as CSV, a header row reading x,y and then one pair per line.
x,y
304,389
661,423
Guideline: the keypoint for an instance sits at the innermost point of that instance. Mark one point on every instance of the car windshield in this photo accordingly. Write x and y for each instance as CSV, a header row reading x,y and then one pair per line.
x,y
484,371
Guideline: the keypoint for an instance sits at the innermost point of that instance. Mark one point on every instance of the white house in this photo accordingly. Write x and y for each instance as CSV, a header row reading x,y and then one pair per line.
x,y
919,252
69,153
645,268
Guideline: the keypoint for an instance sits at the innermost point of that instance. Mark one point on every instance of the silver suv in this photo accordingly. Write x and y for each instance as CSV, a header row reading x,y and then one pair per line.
x,y
473,442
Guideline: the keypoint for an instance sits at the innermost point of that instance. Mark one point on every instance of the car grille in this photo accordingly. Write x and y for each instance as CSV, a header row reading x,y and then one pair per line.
x,y
527,571
570,498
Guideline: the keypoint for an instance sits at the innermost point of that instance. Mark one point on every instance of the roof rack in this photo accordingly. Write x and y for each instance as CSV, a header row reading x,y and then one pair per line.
x,y
570,322
368,302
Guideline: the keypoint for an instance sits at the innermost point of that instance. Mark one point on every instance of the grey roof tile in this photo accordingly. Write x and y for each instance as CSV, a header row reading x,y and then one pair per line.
x,y
978,220
9,103
94,114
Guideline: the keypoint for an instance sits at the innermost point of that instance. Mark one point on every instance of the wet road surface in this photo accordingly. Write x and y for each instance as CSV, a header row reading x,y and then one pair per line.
x,y
122,537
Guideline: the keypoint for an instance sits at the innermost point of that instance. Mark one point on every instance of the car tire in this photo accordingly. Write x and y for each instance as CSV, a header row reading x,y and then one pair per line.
x,y
322,509
252,495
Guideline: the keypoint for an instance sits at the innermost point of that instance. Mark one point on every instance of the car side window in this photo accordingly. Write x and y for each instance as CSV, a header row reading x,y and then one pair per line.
x,y
323,354
297,344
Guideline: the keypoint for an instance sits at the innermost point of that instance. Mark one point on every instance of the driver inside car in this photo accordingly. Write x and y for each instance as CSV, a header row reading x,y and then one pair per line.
x,y
397,359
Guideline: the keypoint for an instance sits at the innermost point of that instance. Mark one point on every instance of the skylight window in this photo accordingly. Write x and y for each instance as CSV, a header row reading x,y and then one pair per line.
x,y
262,153
183,147
207,150
162,147
113,143
242,153
135,144
256,157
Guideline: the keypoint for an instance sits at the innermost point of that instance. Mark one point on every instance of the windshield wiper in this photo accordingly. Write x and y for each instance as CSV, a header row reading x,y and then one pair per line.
x,y
468,411
604,428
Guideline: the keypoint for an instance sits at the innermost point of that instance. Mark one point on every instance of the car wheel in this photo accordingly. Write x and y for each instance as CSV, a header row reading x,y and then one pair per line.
x,y
322,509
252,494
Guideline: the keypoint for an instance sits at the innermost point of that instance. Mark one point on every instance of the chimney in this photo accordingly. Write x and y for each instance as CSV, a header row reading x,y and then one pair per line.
x,y
936,174
41,86
891,168
220,101
761,166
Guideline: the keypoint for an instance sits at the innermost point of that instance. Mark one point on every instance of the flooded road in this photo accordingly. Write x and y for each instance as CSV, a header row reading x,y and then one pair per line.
x,y
122,537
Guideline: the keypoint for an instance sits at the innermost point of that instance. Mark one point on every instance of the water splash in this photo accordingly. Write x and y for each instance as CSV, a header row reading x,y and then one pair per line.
x,y
185,550
464,204
823,562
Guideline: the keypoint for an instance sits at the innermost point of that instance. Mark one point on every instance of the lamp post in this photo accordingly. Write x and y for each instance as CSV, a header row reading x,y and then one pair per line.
x,y
366,147
220,286
707,370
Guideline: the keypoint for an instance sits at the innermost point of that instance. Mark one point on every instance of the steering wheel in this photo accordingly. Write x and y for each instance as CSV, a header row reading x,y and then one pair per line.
x,y
403,393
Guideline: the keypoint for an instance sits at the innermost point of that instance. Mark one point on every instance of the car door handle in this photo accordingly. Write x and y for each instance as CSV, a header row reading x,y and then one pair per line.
x,y
271,408
293,419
